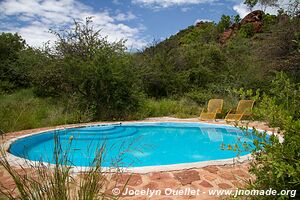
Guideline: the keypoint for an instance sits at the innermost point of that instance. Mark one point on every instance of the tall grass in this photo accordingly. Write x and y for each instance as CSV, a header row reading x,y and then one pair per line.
x,y
57,181
182,108
22,110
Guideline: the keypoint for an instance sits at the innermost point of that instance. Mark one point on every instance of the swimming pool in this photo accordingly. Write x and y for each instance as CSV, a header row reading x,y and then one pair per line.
x,y
135,144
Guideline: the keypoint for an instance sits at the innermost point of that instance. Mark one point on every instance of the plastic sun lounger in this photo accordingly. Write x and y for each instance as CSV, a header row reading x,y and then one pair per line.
x,y
244,108
213,108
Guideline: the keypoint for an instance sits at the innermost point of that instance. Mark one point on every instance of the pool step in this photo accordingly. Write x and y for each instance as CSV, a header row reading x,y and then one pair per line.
x,y
96,131
92,128
119,132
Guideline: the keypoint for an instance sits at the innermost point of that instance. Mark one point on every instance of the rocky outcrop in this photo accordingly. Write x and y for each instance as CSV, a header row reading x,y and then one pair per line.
x,y
255,18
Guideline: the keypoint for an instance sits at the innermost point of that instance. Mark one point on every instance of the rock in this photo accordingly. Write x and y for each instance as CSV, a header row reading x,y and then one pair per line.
x,y
255,18
210,177
187,177
227,176
205,184
151,186
133,180
238,184
224,186
211,169
241,173
159,175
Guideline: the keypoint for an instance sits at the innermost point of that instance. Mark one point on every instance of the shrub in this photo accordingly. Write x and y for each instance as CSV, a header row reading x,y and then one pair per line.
x,y
97,73
247,30
201,97
276,163
13,75
168,107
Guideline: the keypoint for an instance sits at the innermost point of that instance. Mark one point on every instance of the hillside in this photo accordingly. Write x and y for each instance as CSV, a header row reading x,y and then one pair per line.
x,y
207,59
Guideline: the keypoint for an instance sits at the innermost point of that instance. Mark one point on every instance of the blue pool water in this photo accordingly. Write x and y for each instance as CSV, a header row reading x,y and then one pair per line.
x,y
135,144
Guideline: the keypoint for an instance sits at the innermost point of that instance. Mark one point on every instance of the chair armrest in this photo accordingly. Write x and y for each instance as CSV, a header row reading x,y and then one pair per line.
x,y
202,111
230,111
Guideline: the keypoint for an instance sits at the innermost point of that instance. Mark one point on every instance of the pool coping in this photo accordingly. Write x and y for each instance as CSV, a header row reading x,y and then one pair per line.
x,y
18,161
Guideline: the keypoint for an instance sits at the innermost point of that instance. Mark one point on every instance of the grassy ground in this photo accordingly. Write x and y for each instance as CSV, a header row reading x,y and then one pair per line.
x,y
22,110
183,108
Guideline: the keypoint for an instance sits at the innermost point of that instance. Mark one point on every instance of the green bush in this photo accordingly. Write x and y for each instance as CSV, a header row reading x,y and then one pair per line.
x,y
200,97
98,74
183,108
247,30
281,103
276,163
13,75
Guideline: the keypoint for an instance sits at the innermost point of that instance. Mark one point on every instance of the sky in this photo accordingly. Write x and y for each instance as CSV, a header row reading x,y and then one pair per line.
x,y
140,22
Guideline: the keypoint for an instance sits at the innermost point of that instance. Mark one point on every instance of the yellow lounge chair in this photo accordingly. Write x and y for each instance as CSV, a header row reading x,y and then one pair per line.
x,y
214,106
244,108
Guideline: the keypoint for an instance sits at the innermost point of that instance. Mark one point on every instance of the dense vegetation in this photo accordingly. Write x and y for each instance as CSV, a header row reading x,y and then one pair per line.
x,y
83,77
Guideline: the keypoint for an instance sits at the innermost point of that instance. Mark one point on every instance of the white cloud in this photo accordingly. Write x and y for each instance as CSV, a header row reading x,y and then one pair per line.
x,y
167,3
37,16
185,9
203,20
243,10
125,16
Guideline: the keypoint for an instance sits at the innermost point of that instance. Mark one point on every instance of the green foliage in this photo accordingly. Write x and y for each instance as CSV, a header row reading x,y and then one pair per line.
x,y
276,162
193,60
247,94
237,19
269,19
99,80
200,97
224,23
252,3
22,110
281,104
297,41
183,108
247,30
96,73
12,74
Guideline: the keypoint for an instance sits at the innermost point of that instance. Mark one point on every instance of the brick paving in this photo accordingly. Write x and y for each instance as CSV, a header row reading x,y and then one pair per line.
x,y
204,179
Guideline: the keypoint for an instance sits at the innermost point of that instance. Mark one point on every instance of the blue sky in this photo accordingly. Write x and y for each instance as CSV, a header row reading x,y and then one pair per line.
x,y
138,21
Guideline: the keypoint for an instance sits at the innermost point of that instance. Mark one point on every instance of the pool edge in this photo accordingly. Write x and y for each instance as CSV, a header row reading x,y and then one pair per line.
x,y
17,161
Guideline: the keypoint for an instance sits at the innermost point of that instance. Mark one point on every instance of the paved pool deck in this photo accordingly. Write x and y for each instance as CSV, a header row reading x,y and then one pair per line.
x,y
203,179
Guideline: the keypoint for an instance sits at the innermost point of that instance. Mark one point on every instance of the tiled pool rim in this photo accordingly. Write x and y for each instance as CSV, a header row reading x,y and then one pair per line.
x,y
18,161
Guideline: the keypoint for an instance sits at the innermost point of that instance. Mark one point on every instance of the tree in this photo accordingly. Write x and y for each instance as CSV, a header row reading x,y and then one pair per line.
x,y
12,75
224,23
264,3
251,3
96,73
237,19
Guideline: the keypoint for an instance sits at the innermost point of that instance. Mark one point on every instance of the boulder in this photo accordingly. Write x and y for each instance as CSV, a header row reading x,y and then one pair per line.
x,y
255,18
